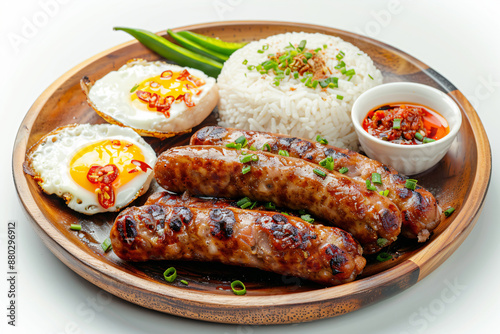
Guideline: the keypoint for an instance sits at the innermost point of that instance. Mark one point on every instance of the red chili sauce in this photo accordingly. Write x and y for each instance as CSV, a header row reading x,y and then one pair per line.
x,y
406,124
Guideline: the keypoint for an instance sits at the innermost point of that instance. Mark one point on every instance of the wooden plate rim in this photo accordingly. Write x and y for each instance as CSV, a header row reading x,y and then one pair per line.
x,y
447,242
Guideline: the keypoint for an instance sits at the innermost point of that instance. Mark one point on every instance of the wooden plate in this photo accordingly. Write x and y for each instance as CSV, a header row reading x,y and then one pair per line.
x,y
460,180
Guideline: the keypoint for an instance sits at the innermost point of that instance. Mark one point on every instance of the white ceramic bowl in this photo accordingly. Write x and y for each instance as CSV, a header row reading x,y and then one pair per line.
x,y
406,159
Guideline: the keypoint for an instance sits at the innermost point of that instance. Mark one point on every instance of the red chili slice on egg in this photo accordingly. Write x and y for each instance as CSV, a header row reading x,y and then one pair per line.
x,y
106,195
141,164
167,74
99,174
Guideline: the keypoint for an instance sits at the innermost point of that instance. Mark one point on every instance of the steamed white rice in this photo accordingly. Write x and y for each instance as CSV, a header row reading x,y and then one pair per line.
x,y
250,100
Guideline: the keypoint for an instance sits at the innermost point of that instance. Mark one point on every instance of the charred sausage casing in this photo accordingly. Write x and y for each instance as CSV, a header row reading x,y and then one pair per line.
x,y
259,239
420,211
288,182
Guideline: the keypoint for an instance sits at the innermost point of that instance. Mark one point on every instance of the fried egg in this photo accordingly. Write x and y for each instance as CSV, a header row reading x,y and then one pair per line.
x,y
153,98
94,168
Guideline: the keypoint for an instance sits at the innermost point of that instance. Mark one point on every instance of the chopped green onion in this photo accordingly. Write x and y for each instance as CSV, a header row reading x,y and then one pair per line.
x,y
349,78
382,257
284,213
106,245
343,70
321,140
238,288
314,84
260,51
319,172
284,153
308,81
376,178
287,71
253,148
384,192
325,46
266,147
170,274
350,72
304,61
243,201
253,205
328,163
370,77
245,158
270,206
134,88
302,45
76,227
258,67
396,123
255,157
251,67
276,82
265,46
246,205
449,211
419,136
340,97
295,74
331,85
343,170
369,185
307,218
340,55
428,140
245,62
381,242
241,140
308,55
246,169
234,145
184,282
411,184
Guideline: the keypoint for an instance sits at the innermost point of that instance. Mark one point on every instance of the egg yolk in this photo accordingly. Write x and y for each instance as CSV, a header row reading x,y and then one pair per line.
x,y
160,92
117,152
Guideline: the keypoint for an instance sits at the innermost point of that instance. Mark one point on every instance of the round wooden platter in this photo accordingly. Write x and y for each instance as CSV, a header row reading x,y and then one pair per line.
x,y
460,180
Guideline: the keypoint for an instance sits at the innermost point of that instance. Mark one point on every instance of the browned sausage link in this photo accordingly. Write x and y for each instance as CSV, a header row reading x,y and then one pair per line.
x,y
289,182
421,213
265,240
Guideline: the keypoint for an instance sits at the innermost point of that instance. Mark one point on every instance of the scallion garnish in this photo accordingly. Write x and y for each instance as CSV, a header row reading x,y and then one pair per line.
x,y
233,145
419,136
284,153
302,45
265,46
396,123
308,55
241,140
382,257
343,170
253,148
340,97
246,169
381,242
369,185
319,172
314,84
449,211
428,140
245,62
246,205
170,274
184,282
411,184
245,158
243,201
76,227
295,74
325,46
238,288
266,147
106,245
134,88
384,192
328,163
260,51
321,140
307,218
253,205
351,72
270,206
376,178
370,77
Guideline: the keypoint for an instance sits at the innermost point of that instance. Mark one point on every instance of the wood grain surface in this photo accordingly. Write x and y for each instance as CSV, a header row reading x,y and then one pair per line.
x,y
460,180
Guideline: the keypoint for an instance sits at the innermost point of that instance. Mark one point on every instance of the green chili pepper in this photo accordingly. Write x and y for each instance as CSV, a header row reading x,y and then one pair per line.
x,y
211,43
190,45
174,52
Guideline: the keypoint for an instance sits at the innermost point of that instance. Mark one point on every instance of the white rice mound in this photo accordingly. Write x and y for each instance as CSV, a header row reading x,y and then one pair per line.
x,y
250,100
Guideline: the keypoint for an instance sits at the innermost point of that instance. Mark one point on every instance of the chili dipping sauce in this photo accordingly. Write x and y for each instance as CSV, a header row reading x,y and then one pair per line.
x,y
406,124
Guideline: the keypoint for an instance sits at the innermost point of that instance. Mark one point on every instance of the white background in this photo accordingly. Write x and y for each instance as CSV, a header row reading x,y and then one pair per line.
x,y
458,38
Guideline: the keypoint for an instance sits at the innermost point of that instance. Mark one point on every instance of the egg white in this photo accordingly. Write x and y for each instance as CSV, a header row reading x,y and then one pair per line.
x,y
110,96
50,161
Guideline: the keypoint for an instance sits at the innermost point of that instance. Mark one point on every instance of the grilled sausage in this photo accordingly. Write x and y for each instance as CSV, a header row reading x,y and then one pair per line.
x,y
421,213
288,182
265,240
